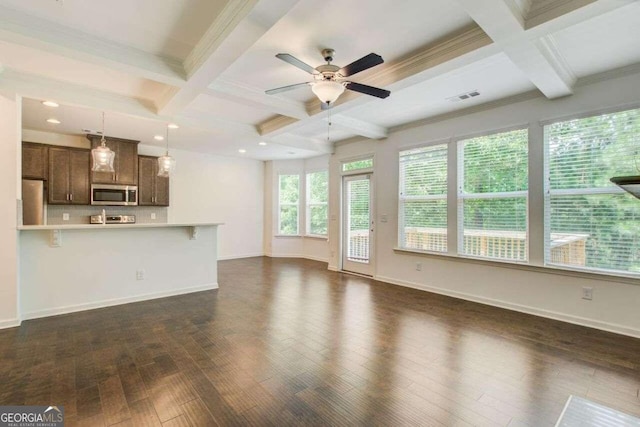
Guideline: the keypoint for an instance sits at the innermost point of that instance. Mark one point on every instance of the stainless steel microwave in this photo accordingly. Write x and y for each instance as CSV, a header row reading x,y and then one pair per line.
x,y
114,195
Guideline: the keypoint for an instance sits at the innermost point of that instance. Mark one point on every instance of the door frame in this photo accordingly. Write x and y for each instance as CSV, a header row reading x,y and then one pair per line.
x,y
350,175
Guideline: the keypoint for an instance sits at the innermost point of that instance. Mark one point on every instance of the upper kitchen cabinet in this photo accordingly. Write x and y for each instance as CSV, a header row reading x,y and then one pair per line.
x,y
34,161
153,190
125,163
69,176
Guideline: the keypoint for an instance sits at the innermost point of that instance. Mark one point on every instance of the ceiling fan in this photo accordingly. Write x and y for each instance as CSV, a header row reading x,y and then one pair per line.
x,y
329,82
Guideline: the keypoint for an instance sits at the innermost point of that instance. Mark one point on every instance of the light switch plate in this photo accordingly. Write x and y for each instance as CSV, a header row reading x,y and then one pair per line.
x,y
153,215
65,216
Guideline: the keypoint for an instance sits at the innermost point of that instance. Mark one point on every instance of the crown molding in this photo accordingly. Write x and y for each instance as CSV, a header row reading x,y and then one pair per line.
x,y
226,21
542,11
275,123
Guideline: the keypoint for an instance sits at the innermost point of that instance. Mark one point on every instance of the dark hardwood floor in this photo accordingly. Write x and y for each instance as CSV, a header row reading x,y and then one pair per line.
x,y
286,342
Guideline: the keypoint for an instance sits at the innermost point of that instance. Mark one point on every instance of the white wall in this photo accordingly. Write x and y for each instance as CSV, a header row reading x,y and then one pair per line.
x,y
9,192
97,267
207,188
295,246
615,304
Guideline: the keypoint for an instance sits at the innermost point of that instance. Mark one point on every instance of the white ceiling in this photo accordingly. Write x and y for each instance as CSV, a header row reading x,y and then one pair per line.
x,y
205,64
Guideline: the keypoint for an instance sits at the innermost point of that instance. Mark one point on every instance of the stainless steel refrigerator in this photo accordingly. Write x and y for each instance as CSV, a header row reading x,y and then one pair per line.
x,y
32,202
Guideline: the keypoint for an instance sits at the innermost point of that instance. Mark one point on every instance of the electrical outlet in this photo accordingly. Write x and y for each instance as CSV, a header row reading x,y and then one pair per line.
x,y
65,216
587,293
418,266
153,215
384,218
140,274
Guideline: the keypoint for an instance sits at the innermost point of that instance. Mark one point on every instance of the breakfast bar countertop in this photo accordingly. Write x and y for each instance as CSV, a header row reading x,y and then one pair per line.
x,y
109,226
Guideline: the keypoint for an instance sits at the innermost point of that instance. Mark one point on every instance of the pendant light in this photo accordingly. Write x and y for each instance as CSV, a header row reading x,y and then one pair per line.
x,y
166,163
102,156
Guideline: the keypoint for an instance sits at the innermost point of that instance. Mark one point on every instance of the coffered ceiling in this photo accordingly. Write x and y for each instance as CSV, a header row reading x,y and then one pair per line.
x,y
205,64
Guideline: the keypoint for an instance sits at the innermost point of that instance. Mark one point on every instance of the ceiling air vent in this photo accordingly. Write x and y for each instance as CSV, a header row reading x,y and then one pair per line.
x,y
464,96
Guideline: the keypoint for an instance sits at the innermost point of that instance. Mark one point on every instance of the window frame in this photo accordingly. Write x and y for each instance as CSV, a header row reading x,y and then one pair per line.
x,y
549,192
461,196
296,204
401,199
309,204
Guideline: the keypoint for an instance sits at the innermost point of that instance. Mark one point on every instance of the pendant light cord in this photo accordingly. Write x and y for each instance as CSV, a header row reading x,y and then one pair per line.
x,y
167,153
103,141
329,124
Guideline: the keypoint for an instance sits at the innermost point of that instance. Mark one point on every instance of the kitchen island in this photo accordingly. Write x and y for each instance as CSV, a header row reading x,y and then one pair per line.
x,y
67,268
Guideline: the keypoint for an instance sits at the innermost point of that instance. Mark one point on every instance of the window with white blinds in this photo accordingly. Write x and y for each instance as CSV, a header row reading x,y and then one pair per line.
x,y
317,208
423,199
589,222
288,204
492,196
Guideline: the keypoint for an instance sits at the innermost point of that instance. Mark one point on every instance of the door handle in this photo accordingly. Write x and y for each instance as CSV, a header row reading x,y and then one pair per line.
x,y
71,197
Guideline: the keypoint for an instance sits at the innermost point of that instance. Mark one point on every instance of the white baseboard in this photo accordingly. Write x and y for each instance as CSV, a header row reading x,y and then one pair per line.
x,y
116,301
312,258
9,323
251,255
577,320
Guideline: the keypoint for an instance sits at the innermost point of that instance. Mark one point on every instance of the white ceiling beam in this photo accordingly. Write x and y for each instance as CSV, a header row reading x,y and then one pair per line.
x,y
296,141
359,127
539,61
25,30
240,24
256,98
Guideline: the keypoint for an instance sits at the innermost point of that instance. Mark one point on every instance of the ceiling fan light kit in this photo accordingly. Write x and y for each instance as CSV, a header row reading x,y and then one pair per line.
x,y
327,91
329,81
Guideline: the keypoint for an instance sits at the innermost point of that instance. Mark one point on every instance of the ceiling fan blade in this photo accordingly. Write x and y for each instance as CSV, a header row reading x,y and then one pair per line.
x,y
361,64
368,90
285,88
297,63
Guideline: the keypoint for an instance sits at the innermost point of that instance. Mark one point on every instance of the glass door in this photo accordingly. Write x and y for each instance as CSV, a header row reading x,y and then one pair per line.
x,y
357,224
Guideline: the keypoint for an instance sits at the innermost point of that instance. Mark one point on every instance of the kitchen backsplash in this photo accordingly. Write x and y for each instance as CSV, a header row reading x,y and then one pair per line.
x,y
81,214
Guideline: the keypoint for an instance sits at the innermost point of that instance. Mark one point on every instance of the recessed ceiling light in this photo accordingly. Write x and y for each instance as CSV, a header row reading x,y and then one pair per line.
x,y
242,150
53,121
50,104
173,126
262,143
159,138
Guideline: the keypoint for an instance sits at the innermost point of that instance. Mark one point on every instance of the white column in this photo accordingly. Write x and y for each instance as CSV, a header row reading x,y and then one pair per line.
x,y
10,192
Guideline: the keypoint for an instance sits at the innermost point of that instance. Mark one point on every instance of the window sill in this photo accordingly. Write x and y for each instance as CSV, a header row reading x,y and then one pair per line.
x,y
287,236
547,269
316,236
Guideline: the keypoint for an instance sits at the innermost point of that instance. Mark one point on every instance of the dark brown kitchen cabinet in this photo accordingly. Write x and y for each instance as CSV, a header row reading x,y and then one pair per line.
x,y
125,162
153,190
69,176
34,161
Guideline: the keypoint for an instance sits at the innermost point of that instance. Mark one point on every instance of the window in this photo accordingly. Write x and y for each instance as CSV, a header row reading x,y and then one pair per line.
x,y
357,164
492,196
589,222
317,208
288,204
423,199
